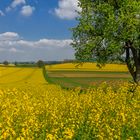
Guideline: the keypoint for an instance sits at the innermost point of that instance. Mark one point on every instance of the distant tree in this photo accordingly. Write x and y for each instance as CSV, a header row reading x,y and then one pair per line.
x,y
109,30
40,63
5,63
16,63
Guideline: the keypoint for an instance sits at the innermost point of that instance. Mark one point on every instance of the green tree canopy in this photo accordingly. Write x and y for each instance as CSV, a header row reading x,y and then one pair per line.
x,y
6,63
109,30
40,63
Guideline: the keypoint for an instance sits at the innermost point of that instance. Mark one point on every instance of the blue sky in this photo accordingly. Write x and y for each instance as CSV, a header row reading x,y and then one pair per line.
x,y
36,29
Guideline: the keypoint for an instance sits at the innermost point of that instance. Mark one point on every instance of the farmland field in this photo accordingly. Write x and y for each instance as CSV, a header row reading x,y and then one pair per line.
x,y
11,76
32,109
87,67
88,74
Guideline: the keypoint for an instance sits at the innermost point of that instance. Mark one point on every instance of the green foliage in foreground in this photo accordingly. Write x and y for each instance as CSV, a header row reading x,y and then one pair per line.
x,y
109,30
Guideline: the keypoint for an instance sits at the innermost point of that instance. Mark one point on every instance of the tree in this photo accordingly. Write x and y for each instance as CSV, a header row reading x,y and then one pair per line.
x,y
6,63
109,30
16,63
40,63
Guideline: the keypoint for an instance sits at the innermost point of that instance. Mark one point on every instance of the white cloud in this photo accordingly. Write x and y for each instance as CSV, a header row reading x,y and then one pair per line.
x,y
27,10
47,49
8,36
1,13
67,9
14,50
44,43
8,9
15,3
52,43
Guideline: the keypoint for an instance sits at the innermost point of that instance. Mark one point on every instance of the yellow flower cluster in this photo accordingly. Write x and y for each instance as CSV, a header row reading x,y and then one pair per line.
x,y
87,67
52,113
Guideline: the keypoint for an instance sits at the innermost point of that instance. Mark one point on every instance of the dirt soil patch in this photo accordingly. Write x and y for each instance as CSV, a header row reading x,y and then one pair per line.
x,y
90,75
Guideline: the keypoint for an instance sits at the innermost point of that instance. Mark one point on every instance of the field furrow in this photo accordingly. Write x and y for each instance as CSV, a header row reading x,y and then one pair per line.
x,y
19,76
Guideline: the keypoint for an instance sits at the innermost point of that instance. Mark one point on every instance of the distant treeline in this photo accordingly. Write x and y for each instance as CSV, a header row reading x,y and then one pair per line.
x,y
41,62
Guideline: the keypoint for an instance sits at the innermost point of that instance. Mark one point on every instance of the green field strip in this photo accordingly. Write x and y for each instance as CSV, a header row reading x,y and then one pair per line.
x,y
94,72
88,75
46,76
68,81
100,78
90,80
65,79
85,82
64,84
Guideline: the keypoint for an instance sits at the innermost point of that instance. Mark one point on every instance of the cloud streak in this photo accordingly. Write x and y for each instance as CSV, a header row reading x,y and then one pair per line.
x,y
2,13
48,49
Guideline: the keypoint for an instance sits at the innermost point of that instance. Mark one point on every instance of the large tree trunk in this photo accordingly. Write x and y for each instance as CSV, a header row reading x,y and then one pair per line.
x,y
137,74
133,61
136,57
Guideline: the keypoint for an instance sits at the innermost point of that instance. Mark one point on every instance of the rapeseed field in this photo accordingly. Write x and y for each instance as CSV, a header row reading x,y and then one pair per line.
x,y
41,112
32,109
88,67
16,76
